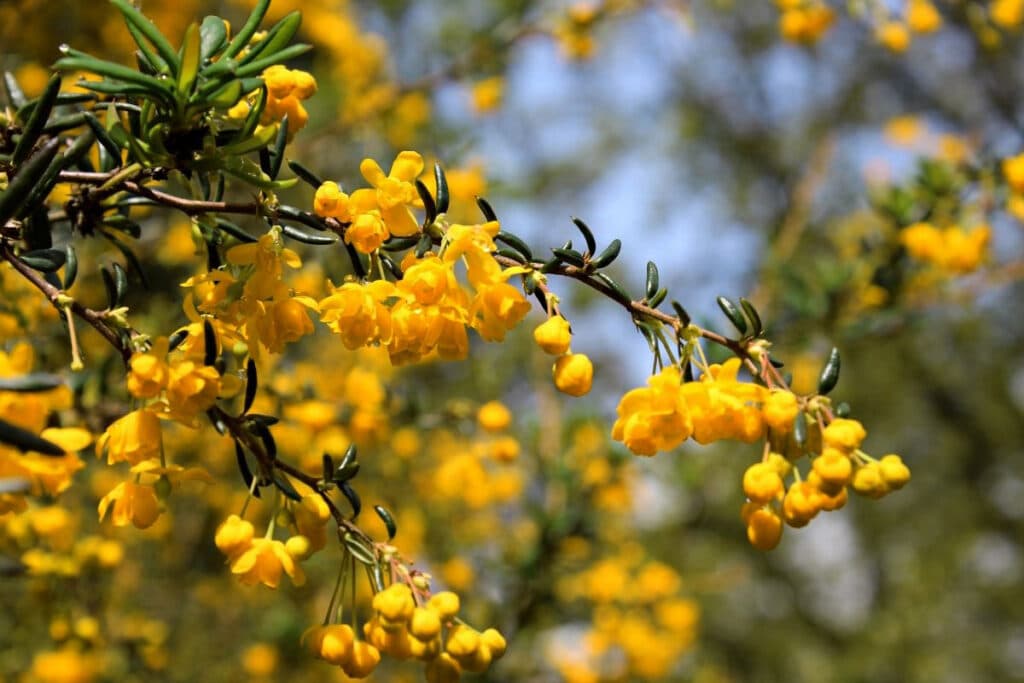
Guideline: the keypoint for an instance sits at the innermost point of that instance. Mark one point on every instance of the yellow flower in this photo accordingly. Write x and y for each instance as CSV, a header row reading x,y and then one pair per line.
x,y
428,279
868,481
834,467
844,435
133,503
487,94
394,604
358,314
894,472
192,388
425,624
330,202
234,536
780,410
801,504
263,561
493,416
497,308
922,17
893,35
762,483
335,643
573,373
362,660
132,438
653,419
553,335
396,191
148,372
368,229
445,603
1008,14
285,321
764,529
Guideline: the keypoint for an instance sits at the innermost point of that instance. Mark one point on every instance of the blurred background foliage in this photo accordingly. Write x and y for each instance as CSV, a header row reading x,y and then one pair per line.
x,y
744,164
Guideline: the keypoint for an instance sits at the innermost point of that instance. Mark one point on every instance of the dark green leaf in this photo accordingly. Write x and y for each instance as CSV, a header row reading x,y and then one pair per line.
x,y
610,253
652,280
251,384
70,266
44,260
296,234
516,243
13,200
285,486
26,441
243,468
830,373
120,281
570,256
36,121
485,209
443,195
36,381
305,174
733,314
681,313
209,343
753,316
800,429
429,208
588,235
352,497
389,521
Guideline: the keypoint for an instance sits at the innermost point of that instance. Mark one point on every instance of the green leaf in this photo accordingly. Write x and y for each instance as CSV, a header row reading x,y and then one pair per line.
x,y
285,486
227,96
429,208
190,56
14,93
830,373
243,468
253,68
389,521
26,441
358,550
588,235
441,182
148,29
516,243
247,31
251,384
276,38
305,174
33,382
733,314
485,209
277,155
652,280
152,86
209,343
213,36
610,253
36,121
352,497
753,316
44,260
13,199
70,266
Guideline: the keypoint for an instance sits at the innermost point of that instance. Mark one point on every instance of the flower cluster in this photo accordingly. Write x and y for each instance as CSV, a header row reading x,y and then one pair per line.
x,y
669,411
428,309
410,624
804,21
718,406
641,626
573,372
30,411
286,89
256,560
951,249
837,465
